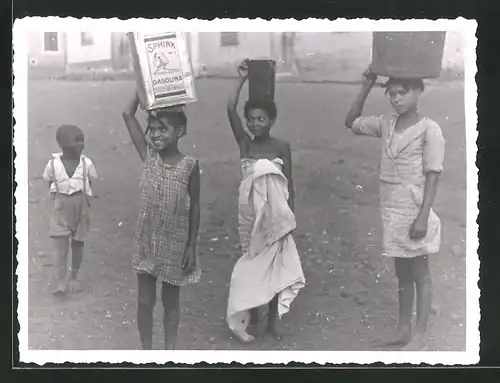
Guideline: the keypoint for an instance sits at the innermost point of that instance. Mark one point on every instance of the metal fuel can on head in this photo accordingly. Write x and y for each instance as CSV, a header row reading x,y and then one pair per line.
x,y
261,80
162,68
408,54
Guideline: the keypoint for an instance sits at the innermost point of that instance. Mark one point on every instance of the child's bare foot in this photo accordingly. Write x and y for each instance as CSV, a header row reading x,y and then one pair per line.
x,y
418,343
60,290
243,337
402,339
74,286
272,328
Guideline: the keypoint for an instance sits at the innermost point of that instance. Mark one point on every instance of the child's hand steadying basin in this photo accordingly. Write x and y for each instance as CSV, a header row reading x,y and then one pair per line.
x,y
368,78
243,68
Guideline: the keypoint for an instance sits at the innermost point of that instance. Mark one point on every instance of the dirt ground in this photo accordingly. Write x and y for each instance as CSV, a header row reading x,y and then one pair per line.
x,y
350,297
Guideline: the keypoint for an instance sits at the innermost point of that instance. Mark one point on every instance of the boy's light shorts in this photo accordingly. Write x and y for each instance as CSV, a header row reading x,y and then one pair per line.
x,y
70,216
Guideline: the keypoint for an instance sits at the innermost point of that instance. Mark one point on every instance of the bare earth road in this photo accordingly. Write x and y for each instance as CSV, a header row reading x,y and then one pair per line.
x,y
350,298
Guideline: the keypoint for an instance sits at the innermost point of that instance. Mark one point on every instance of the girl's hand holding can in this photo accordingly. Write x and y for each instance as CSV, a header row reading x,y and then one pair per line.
x,y
368,78
243,68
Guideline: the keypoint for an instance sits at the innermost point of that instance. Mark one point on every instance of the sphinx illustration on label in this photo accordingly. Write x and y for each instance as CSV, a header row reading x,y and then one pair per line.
x,y
163,69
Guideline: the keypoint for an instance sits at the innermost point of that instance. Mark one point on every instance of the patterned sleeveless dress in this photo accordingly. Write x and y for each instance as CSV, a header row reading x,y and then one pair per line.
x,y
163,223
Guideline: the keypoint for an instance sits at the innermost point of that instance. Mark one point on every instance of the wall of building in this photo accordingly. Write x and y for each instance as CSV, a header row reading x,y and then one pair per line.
x,y
120,51
453,56
99,50
318,56
39,57
344,56
332,55
222,60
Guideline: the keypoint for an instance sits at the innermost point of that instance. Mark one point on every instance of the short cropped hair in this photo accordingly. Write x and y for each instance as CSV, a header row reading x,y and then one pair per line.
x,y
406,83
175,117
64,131
268,106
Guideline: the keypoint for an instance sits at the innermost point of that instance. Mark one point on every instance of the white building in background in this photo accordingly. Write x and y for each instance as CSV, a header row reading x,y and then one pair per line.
x,y
63,50
315,55
335,55
90,50
218,53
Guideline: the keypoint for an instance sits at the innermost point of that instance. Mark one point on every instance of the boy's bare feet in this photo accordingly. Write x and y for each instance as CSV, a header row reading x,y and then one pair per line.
x,y
74,286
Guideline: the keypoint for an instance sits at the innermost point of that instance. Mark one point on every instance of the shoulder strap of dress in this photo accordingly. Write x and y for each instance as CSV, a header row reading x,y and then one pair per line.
x,y
192,162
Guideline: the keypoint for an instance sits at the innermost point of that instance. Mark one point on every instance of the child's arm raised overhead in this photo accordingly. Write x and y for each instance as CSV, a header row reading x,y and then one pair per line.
x,y
232,104
367,82
133,126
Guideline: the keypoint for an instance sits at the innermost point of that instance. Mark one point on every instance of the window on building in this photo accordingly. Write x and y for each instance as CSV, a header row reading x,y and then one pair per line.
x,y
51,44
228,39
86,39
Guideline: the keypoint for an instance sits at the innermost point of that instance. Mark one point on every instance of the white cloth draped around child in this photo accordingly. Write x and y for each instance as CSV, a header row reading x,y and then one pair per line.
x,y
270,263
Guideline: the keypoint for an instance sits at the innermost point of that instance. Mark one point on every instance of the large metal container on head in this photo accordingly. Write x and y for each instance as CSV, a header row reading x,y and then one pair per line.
x,y
408,54
261,80
163,69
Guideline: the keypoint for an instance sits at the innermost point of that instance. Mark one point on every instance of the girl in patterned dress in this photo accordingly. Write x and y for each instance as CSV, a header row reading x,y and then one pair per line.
x,y
412,161
168,220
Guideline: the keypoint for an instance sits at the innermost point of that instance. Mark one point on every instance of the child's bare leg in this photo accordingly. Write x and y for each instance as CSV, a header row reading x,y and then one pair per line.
x,y
170,300
406,294
424,301
146,302
62,248
272,324
254,316
76,261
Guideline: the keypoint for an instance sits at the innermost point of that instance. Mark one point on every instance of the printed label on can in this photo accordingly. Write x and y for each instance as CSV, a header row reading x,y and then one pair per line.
x,y
165,66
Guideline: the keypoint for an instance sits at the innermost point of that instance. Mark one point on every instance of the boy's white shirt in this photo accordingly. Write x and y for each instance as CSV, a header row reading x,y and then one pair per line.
x,y
65,184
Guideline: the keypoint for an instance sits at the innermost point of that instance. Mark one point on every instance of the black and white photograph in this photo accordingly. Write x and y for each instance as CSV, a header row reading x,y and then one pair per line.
x,y
246,191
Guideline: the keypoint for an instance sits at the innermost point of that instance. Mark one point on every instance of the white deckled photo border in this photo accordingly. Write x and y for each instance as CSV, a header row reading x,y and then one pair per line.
x,y
20,90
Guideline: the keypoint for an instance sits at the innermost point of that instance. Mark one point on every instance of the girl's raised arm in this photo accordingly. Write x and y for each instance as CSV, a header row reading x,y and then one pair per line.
x,y
133,126
232,104
356,109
